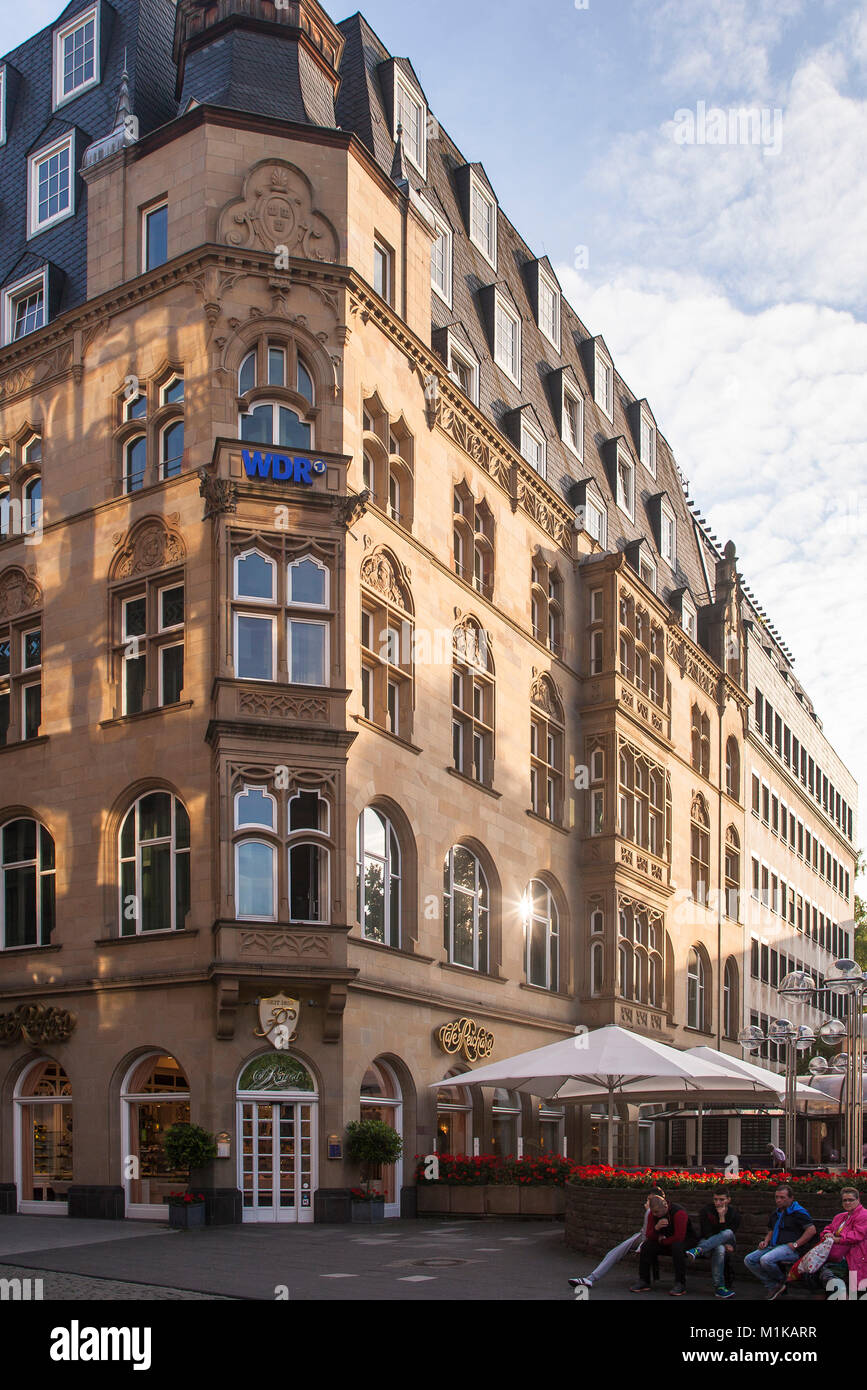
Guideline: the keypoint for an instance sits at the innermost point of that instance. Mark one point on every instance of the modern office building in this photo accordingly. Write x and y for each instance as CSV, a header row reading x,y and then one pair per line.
x,y
372,698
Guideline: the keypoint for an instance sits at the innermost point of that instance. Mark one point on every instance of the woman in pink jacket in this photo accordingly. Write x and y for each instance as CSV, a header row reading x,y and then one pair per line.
x,y
849,1230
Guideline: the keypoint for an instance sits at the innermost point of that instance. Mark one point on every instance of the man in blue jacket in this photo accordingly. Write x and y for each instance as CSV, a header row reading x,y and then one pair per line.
x,y
790,1232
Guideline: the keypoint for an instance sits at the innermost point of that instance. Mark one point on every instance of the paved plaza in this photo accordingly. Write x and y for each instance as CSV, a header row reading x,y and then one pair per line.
x,y
405,1260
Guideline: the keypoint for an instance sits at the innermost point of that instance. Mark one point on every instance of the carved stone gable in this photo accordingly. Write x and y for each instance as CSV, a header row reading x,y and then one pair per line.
x,y
545,695
381,572
276,209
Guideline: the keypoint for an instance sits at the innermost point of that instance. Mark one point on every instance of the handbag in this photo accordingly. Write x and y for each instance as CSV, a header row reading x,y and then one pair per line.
x,y
814,1259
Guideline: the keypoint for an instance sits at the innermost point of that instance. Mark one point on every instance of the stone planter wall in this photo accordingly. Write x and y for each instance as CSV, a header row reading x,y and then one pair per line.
x,y
498,1199
599,1218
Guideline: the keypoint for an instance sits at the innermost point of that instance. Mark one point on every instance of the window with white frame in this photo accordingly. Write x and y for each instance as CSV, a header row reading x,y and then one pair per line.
x,y
25,306
626,485
689,618
261,591
483,220
549,309
49,185
533,445
76,55
466,910
648,444
541,935
155,224
441,260
154,865
603,384
382,270
464,370
2,106
507,339
572,421
668,535
596,521
647,571
411,113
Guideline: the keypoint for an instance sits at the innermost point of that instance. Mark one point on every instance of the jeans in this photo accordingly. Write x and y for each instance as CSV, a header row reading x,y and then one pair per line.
x,y
614,1256
650,1252
766,1264
715,1247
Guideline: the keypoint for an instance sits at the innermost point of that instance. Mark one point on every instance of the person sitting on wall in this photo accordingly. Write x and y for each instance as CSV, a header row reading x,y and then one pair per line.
x,y
669,1232
848,1254
617,1254
790,1232
718,1222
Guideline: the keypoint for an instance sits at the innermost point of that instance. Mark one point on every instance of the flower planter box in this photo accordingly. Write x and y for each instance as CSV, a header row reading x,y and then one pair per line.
x,y
434,1199
467,1201
368,1212
502,1200
187,1214
542,1202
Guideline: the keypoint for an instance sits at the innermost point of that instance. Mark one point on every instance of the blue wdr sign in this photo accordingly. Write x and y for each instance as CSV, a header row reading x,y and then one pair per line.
x,y
281,468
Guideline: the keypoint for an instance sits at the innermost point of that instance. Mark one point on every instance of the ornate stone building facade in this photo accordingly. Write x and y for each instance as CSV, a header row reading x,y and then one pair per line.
x,y
370,693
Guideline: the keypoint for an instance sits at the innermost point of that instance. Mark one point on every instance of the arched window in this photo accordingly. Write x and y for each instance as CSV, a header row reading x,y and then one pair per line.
x,y
541,936
135,457
387,642
155,1095
154,873
733,769
283,615
255,859
696,991
643,801
700,742
473,703
378,878
466,910
547,605
700,850
172,450
285,418
388,460
732,874
43,1102
731,1002
547,750
596,968
473,531
625,963
33,503
28,894
151,427
309,858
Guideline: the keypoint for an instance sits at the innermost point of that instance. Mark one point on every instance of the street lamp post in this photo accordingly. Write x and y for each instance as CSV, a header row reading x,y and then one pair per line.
x,y
846,979
794,1039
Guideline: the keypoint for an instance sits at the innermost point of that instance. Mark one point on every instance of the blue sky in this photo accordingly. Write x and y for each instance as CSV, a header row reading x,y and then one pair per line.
x,y
730,283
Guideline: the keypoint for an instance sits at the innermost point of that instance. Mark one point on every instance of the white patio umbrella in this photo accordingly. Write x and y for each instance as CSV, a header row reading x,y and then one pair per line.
x,y
807,1095
611,1062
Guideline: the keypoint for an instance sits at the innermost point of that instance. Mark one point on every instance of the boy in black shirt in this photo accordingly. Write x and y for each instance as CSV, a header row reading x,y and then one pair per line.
x,y
718,1222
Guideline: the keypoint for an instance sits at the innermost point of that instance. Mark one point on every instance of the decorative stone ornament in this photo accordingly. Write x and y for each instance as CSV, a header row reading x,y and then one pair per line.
x,y
37,1024
276,210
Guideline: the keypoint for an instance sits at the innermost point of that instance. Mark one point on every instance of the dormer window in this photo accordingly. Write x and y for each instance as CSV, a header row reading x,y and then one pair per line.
x,y
572,420
483,220
667,535
76,56
411,114
626,485
533,445
549,308
24,306
3,85
464,370
603,385
689,618
647,572
441,260
50,191
596,521
648,444
507,338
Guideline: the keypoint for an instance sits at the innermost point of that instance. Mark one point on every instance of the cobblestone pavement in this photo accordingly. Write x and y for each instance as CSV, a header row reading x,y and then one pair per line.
x,y
418,1261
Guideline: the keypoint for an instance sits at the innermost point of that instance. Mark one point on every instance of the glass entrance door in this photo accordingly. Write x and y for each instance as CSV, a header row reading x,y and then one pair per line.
x,y
277,1157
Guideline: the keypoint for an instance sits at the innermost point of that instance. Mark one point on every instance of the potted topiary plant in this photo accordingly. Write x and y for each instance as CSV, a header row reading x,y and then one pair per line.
x,y
371,1144
188,1147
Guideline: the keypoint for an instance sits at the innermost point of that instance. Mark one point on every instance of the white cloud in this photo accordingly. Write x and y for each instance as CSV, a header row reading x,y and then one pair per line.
x,y
766,415
718,44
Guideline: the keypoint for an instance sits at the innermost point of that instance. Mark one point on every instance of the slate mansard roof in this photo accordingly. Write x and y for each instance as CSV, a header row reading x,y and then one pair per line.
x,y
142,31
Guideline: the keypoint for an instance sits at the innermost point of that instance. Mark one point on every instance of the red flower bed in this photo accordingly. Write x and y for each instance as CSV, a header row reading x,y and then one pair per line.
x,y
552,1170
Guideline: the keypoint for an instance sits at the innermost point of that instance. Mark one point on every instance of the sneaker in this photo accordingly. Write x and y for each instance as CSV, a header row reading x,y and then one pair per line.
x,y
677,1290
580,1283
776,1292
695,1253
723,1292
640,1288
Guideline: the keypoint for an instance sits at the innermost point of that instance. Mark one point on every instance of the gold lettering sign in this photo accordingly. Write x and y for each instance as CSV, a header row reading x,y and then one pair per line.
x,y
36,1024
464,1035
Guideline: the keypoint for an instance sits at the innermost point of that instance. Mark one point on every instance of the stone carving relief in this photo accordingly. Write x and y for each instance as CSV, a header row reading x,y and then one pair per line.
x,y
150,545
18,593
381,572
276,209
298,945
265,706
546,695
